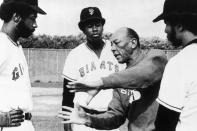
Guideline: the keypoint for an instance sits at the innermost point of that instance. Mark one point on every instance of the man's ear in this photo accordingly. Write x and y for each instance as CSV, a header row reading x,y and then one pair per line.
x,y
16,18
133,42
179,28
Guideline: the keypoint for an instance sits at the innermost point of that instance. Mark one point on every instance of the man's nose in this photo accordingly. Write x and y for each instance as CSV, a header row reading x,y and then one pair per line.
x,y
95,27
113,48
35,25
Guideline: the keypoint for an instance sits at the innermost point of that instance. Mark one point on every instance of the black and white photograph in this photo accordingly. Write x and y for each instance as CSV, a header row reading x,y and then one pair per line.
x,y
98,65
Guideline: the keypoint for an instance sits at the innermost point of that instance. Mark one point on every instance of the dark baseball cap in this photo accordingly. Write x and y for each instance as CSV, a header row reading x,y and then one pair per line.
x,y
32,4
90,14
177,7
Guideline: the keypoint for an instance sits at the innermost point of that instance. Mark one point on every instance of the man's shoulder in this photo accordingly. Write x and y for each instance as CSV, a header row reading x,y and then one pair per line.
x,y
78,49
190,50
156,52
4,40
80,46
156,55
3,37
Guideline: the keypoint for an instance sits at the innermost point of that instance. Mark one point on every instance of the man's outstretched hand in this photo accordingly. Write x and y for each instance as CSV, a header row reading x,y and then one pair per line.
x,y
83,86
75,115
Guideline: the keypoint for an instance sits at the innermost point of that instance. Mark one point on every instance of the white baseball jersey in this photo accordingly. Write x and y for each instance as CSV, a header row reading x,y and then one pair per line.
x,y
15,88
178,89
83,63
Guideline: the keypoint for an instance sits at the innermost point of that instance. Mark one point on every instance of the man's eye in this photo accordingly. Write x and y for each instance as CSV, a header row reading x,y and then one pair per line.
x,y
114,42
33,19
89,26
97,25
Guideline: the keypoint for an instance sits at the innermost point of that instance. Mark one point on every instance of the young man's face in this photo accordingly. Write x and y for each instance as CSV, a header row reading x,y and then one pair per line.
x,y
93,30
27,25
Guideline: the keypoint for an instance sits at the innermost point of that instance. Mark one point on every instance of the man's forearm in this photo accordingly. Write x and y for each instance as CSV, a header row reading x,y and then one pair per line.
x,y
4,119
68,97
140,76
105,121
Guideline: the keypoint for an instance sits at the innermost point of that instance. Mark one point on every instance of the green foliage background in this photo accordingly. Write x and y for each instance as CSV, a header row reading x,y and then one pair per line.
x,y
71,41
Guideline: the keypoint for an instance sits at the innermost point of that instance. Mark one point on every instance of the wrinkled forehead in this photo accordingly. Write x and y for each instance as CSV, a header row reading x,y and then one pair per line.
x,y
119,35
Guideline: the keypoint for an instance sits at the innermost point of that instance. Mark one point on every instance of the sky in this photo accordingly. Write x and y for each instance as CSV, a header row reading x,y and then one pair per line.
x,y
63,16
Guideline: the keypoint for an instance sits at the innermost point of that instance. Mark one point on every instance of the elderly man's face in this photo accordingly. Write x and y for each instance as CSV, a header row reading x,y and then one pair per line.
x,y
120,46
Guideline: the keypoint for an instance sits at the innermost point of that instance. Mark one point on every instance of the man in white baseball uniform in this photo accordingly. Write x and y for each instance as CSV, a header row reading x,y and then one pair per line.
x,y
90,61
178,93
19,20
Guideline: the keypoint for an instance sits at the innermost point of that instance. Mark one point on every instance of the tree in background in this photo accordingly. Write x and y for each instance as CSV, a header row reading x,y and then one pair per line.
x,y
71,41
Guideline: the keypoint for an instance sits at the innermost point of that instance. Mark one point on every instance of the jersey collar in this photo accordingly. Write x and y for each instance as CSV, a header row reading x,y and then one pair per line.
x,y
15,43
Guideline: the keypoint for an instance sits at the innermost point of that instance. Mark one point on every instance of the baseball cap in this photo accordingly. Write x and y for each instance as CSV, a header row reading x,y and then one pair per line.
x,y
177,7
33,4
89,14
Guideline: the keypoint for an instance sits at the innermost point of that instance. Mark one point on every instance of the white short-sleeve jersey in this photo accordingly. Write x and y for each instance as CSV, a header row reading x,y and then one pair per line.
x,y
82,63
178,89
15,87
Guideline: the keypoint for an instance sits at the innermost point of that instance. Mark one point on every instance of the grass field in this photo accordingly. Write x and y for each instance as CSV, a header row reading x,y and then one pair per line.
x,y
47,100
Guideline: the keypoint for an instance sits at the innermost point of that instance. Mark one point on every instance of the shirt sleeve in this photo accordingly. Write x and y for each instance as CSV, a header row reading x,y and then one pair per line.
x,y
70,71
142,75
171,94
112,118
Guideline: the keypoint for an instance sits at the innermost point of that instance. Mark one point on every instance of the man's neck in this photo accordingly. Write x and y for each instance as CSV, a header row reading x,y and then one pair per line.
x,y
135,57
96,46
187,37
10,32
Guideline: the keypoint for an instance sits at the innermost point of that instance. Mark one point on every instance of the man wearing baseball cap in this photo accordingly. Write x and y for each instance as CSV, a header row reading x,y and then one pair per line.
x,y
178,92
19,20
89,61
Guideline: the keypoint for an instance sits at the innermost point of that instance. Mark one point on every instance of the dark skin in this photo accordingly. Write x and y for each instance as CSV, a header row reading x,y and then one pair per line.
x,y
93,31
11,28
67,96
67,100
24,27
166,119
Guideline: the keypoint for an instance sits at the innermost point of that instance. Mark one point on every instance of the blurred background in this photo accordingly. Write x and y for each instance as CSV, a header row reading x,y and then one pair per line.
x,y
63,16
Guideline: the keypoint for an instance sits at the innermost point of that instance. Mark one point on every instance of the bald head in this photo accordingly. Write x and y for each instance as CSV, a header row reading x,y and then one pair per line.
x,y
124,42
120,33
126,34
